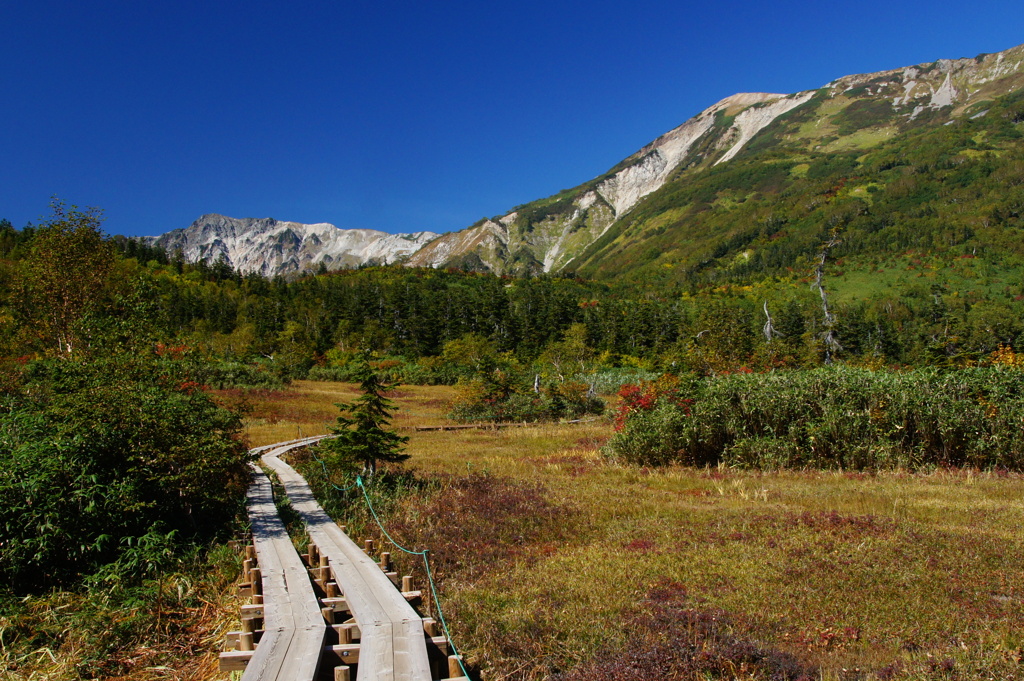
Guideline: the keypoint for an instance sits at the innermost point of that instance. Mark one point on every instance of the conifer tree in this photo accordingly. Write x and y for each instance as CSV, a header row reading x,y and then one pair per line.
x,y
363,437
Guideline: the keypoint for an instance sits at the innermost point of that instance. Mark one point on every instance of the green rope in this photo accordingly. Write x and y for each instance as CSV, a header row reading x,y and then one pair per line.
x,y
327,476
426,566
440,615
424,553
359,481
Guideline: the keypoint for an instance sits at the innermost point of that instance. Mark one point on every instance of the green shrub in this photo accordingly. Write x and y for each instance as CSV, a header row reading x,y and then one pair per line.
x,y
223,375
99,454
422,371
837,417
479,401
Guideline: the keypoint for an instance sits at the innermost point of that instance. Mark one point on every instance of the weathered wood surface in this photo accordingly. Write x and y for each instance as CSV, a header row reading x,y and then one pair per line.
x,y
294,631
392,643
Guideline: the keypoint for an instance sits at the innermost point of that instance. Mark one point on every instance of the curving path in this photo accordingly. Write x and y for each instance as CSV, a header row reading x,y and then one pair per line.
x,y
393,645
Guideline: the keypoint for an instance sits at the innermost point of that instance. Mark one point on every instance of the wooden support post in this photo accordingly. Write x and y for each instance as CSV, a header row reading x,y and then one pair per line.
x,y
454,668
245,641
385,561
407,583
345,635
248,625
430,626
344,528
250,552
257,599
257,581
368,543
342,673
328,614
247,566
332,589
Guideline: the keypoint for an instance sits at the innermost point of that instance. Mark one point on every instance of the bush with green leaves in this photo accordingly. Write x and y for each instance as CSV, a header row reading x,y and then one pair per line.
x,y
225,374
98,454
501,398
837,417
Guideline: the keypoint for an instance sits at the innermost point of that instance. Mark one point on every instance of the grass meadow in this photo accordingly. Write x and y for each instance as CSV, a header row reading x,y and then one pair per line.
x,y
556,564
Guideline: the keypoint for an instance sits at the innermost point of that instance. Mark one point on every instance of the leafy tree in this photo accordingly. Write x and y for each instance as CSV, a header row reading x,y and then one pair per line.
x,y
362,430
63,276
570,356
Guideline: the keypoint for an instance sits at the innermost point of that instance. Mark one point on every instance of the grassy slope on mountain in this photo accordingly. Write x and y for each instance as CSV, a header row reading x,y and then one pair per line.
x,y
942,192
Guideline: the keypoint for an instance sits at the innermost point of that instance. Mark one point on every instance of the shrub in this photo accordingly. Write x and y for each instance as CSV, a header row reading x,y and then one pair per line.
x,y
423,371
224,375
836,417
477,401
96,453
609,381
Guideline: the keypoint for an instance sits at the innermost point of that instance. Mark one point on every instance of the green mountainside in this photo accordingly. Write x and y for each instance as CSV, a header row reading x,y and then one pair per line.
x,y
925,159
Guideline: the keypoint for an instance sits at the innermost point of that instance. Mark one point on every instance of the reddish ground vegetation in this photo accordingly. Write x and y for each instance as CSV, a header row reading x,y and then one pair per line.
x,y
672,637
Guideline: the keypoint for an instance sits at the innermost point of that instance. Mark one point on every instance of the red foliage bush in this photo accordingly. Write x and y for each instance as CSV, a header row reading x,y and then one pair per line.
x,y
645,396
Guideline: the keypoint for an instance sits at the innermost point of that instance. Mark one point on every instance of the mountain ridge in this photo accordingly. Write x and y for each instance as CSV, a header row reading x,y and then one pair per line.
x,y
561,232
271,247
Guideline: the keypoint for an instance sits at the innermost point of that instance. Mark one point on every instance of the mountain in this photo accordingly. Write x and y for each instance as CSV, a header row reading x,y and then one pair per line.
x,y
547,235
270,247
579,228
702,195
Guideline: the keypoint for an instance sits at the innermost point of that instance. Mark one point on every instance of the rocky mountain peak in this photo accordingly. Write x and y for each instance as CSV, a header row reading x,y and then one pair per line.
x,y
272,247
850,113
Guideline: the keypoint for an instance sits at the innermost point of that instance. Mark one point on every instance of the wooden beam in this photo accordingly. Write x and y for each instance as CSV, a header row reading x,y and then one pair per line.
x,y
341,654
234,660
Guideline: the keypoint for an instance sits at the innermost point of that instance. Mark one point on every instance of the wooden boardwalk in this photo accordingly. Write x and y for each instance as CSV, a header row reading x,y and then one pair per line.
x,y
393,644
293,631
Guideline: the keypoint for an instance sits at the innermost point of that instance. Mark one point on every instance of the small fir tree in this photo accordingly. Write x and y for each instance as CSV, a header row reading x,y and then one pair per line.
x,y
363,437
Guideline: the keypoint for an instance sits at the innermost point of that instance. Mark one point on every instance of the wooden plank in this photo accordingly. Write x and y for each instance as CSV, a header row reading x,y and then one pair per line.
x,y
341,654
293,630
250,610
234,660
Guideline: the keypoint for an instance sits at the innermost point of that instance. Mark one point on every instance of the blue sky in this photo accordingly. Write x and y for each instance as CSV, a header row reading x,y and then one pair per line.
x,y
401,116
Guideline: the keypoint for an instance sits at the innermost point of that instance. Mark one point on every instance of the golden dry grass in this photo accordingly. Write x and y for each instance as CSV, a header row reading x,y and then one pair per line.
x,y
310,408
890,575
893,575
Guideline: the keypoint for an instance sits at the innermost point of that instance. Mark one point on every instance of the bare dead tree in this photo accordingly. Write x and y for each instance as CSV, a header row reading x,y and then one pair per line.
x,y
770,332
829,338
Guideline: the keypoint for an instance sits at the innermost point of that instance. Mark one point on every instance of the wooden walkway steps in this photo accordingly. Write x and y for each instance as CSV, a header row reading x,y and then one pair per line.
x,y
393,642
291,640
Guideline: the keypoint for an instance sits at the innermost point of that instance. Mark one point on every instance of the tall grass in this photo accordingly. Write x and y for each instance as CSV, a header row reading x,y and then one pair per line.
x,y
164,623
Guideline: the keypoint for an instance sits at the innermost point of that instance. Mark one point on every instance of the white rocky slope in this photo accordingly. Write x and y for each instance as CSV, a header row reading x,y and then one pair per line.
x,y
614,196
548,235
269,247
